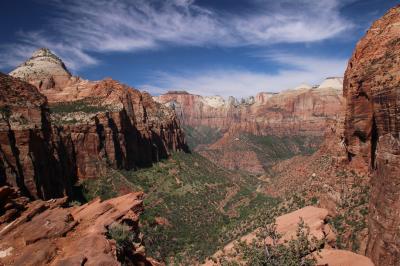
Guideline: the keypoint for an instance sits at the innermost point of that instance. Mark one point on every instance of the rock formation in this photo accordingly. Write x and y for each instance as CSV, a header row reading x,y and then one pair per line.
x,y
44,70
222,125
29,158
372,89
48,233
68,128
302,111
286,226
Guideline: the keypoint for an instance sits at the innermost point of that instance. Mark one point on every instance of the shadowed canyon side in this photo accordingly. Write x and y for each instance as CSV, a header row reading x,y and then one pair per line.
x,y
372,89
77,127
32,156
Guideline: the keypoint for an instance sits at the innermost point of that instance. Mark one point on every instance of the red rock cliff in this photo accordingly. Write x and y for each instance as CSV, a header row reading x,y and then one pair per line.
x,y
73,128
29,159
114,123
302,111
372,130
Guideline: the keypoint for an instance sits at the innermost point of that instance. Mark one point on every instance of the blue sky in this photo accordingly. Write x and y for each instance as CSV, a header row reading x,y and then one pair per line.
x,y
224,47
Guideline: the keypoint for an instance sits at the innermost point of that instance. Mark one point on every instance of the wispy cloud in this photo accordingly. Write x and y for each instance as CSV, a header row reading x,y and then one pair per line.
x,y
243,83
80,29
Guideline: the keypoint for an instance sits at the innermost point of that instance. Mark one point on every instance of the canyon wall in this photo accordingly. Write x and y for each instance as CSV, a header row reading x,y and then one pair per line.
x,y
372,130
29,159
301,111
67,128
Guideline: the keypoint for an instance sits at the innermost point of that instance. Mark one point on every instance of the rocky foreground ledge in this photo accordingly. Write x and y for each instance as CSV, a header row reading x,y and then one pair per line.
x,y
49,233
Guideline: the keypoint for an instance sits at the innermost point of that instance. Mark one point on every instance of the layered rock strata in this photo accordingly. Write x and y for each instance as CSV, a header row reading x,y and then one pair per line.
x,y
53,134
372,130
302,111
32,158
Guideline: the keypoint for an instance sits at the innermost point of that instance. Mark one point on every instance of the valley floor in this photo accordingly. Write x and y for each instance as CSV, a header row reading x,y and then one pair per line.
x,y
192,206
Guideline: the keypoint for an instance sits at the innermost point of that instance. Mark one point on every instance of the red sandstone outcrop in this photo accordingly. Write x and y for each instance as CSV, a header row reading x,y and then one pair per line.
x,y
48,233
372,89
336,257
286,226
303,111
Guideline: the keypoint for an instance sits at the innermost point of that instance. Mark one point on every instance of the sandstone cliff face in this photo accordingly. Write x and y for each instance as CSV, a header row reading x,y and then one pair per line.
x,y
372,89
303,111
113,123
29,159
53,134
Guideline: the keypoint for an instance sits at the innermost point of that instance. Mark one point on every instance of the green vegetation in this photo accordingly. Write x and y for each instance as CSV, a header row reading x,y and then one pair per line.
x,y
124,237
299,251
85,105
201,135
351,220
201,207
201,203
274,148
107,186
268,149
192,206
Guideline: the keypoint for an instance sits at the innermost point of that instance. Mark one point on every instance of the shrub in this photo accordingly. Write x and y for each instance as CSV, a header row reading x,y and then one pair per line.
x,y
295,252
122,234
84,105
74,203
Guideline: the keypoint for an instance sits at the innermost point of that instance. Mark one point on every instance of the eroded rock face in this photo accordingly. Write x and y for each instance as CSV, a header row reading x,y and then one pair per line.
x,y
29,157
52,135
372,90
48,233
302,111
112,122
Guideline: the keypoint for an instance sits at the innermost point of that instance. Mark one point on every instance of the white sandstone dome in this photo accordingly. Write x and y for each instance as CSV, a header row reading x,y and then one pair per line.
x,y
332,82
44,70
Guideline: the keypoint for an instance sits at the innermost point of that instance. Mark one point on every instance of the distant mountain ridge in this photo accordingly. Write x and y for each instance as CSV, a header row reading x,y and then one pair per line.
x,y
303,110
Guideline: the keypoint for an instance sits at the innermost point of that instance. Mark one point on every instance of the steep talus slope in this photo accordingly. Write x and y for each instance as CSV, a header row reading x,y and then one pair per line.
x,y
372,89
236,150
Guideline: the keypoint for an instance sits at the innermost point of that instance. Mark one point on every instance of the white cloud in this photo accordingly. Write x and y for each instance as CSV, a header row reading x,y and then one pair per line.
x,y
243,83
79,28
